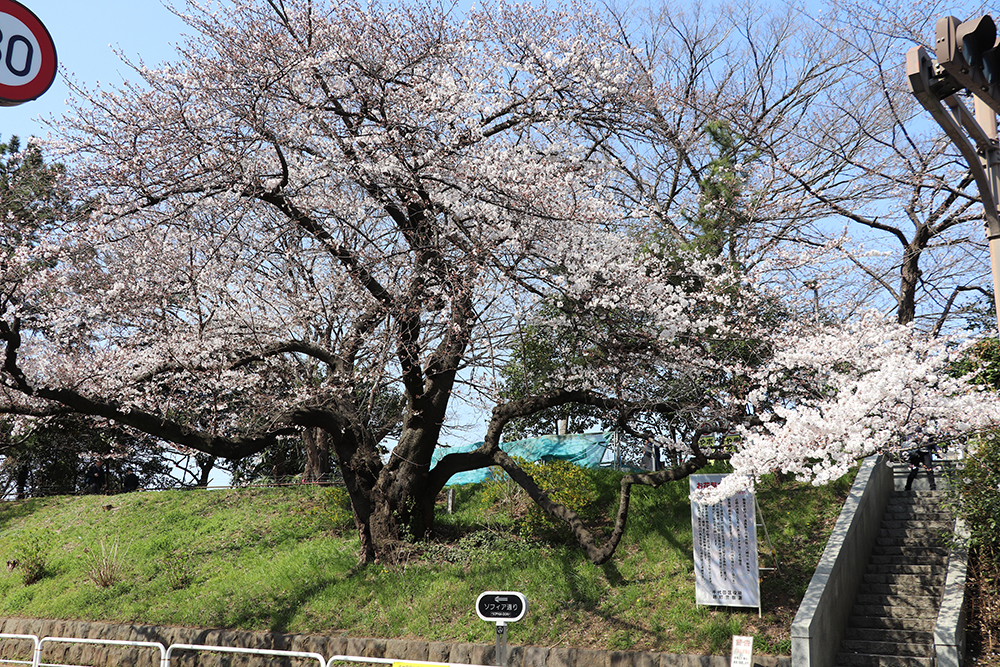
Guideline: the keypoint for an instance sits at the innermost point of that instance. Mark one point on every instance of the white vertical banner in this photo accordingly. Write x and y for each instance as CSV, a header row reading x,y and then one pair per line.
x,y
725,548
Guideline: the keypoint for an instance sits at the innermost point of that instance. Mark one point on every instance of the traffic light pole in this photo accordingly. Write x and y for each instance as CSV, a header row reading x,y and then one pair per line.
x,y
990,159
934,87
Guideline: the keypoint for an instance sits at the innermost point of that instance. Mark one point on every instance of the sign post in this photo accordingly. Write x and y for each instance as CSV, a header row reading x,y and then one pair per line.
x,y
27,55
725,548
501,607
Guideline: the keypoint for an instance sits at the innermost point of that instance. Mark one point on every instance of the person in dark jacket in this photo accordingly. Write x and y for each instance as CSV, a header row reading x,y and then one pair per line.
x,y
921,457
94,479
130,482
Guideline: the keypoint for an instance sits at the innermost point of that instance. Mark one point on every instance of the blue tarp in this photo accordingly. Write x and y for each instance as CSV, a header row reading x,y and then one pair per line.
x,y
583,449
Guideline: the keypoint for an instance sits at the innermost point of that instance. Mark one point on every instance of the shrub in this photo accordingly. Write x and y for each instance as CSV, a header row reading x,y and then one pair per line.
x,y
334,509
178,569
30,557
106,568
980,506
567,484
981,492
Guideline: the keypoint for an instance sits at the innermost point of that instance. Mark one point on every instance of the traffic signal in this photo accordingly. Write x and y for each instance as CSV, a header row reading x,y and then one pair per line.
x,y
975,37
968,52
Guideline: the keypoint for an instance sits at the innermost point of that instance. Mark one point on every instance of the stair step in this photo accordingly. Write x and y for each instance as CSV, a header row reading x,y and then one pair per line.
x,y
921,524
918,507
918,603
937,502
888,542
915,511
925,570
885,623
922,535
887,611
910,559
910,550
899,590
905,579
887,648
920,494
890,635
910,515
868,660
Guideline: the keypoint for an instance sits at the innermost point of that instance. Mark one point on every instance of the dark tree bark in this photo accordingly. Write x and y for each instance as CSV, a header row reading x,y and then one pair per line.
x,y
205,465
317,445
22,481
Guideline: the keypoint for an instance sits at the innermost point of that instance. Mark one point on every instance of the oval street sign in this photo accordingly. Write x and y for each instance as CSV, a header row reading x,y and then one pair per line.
x,y
501,606
27,55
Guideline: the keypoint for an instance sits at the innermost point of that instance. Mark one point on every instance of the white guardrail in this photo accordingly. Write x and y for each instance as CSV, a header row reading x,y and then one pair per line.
x,y
167,652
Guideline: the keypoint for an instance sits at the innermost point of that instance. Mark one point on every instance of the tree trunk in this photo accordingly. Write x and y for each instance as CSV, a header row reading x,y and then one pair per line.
x,y
205,466
910,276
317,445
361,465
22,481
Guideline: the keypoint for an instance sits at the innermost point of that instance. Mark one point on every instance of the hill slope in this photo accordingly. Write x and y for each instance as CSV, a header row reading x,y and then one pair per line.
x,y
282,559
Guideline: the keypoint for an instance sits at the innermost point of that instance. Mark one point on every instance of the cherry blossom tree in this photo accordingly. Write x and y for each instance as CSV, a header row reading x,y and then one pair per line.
x,y
336,218
319,208
834,394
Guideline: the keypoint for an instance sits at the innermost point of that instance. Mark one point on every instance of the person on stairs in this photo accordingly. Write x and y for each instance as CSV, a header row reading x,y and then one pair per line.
x,y
921,456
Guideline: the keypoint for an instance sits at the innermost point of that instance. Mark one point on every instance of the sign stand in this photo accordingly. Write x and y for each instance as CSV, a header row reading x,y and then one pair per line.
x,y
501,644
501,607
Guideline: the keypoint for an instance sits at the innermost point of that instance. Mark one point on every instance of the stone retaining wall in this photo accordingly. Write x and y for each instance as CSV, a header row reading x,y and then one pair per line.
x,y
400,649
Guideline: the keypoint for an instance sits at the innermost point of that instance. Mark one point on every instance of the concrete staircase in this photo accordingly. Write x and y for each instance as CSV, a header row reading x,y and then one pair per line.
x,y
892,621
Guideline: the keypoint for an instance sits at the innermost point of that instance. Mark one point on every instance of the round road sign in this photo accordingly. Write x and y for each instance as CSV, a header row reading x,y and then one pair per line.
x,y
27,55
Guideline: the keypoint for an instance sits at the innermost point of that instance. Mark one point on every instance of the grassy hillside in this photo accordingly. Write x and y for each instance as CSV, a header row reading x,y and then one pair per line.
x,y
283,559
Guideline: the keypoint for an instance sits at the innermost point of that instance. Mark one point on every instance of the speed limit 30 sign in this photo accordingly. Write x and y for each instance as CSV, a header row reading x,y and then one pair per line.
x,y
27,55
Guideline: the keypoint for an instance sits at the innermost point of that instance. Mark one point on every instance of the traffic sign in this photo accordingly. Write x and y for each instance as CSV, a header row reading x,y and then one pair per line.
x,y
27,55
501,606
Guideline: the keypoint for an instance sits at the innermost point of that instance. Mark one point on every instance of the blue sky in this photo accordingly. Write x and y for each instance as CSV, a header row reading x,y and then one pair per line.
x,y
83,33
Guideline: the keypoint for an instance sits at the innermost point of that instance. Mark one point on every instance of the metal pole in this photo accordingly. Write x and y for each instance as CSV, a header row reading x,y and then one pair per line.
x,y
502,644
987,120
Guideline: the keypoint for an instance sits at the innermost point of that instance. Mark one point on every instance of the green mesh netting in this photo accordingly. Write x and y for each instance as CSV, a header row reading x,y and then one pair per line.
x,y
583,449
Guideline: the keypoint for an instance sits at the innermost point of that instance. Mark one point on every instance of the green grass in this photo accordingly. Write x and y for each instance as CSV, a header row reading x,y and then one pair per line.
x,y
272,559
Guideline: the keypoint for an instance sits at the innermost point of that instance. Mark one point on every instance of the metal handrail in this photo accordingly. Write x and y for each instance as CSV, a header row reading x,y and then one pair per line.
x,y
34,647
398,661
251,651
103,642
167,652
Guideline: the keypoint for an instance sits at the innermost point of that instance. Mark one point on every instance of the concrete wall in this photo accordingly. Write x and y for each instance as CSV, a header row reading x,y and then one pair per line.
x,y
826,608
949,630
399,649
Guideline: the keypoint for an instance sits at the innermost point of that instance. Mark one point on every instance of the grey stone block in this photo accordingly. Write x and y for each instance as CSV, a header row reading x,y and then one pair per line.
x,y
376,648
402,649
439,652
336,646
481,654
534,656
356,646
461,653
591,658
562,657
